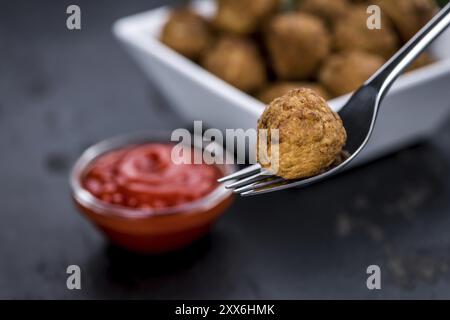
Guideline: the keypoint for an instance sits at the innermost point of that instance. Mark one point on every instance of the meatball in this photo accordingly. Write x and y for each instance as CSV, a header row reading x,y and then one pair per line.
x,y
243,16
187,33
409,16
352,33
328,10
345,72
276,90
311,135
237,61
297,43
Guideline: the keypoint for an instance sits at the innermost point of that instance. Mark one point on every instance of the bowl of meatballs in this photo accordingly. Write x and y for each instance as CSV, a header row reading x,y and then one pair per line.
x,y
224,61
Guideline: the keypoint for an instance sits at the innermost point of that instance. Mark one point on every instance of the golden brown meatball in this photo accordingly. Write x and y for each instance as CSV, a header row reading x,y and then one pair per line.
x,y
276,90
409,16
187,33
345,72
243,16
297,44
328,10
238,62
352,33
311,135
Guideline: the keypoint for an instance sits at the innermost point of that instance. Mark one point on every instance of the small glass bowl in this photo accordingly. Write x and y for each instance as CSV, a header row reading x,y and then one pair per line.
x,y
147,230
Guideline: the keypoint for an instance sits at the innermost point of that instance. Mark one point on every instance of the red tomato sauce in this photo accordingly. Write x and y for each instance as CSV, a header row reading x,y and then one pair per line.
x,y
144,176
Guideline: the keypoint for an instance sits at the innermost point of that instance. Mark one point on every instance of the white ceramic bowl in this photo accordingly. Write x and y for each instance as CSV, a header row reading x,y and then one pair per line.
x,y
415,106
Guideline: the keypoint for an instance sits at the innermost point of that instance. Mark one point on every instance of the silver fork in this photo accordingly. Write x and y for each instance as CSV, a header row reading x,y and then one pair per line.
x,y
359,114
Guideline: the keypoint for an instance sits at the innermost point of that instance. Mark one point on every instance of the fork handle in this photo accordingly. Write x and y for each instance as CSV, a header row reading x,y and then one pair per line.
x,y
385,77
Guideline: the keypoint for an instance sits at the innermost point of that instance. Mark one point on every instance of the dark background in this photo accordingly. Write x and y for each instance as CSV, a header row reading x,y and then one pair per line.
x,y
61,91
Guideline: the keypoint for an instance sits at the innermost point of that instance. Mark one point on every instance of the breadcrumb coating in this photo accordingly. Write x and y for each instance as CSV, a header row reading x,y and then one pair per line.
x,y
243,16
276,90
352,33
297,43
345,72
237,61
187,33
311,135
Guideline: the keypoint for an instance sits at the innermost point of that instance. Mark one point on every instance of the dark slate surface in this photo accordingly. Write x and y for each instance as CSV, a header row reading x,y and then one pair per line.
x,y
61,91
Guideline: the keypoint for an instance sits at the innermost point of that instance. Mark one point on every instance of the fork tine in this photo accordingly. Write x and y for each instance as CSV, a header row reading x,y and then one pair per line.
x,y
251,179
281,184
251,170
254,192
259,185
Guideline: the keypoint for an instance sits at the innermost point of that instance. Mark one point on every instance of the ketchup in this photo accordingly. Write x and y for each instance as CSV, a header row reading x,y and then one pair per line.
x,y
144,176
